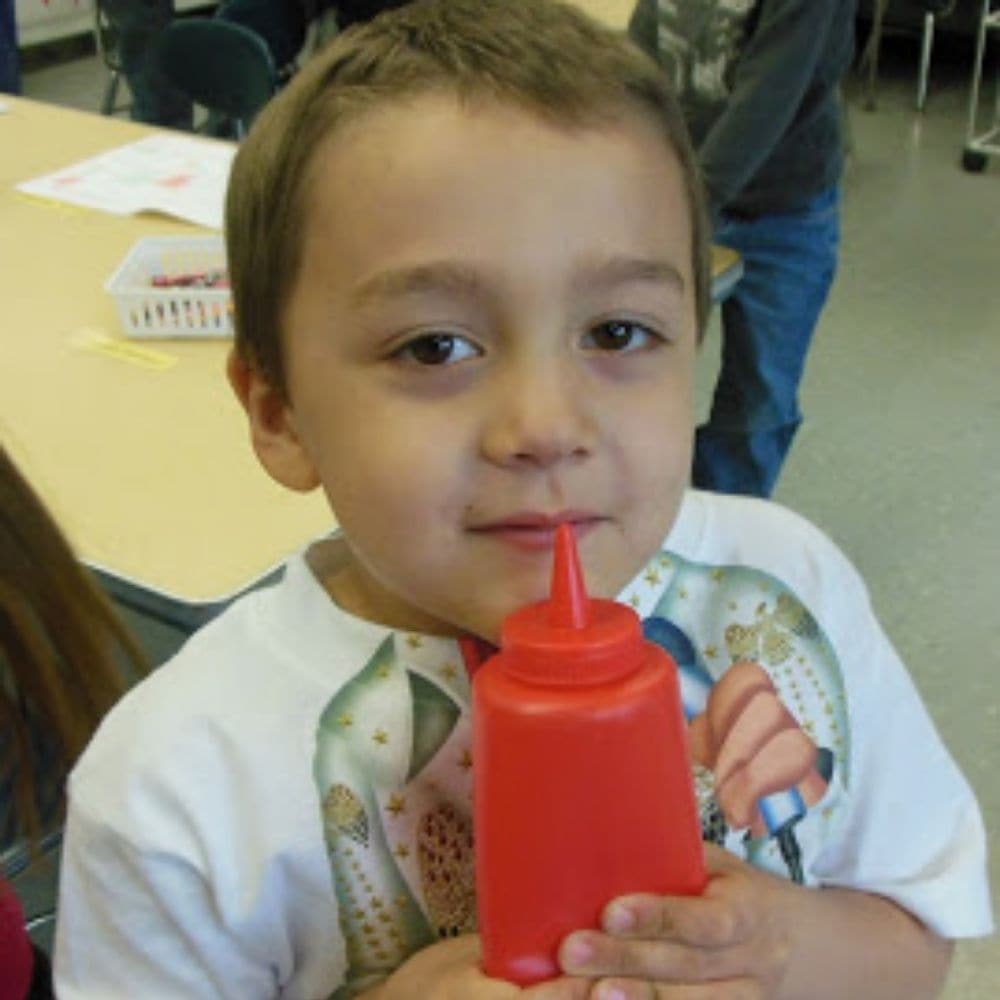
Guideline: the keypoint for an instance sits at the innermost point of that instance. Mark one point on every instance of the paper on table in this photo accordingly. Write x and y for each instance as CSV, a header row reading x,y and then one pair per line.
x,y
175,175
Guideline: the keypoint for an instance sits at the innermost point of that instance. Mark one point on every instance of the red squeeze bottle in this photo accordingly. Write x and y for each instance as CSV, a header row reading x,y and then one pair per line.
x,y
583,788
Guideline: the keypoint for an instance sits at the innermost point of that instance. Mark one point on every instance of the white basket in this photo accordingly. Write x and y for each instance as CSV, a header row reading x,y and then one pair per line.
x,y
179,311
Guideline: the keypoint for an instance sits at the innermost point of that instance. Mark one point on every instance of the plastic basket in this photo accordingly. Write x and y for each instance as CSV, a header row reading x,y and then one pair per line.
x,y
179,311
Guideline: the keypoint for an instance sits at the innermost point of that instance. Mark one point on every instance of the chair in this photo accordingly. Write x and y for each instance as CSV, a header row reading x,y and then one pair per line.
x,y
283,26
36,886
931,10
222,66
106,42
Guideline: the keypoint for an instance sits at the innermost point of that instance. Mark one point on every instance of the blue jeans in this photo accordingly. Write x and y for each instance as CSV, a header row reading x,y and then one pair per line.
x,y
789,262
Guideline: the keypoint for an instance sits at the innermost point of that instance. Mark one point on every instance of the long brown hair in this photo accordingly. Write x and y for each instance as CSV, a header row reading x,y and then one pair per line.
x,y
64,653
543,55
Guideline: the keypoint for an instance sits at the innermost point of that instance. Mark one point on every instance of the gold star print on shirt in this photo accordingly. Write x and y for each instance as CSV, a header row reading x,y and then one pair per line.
x,y
392,772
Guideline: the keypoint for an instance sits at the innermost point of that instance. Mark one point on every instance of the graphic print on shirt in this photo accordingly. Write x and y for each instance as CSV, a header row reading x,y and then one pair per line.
x,y
764,699
398,831
763,695
699,41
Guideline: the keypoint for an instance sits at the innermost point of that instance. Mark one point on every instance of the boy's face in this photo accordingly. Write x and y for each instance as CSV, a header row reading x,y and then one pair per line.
x,y
492,331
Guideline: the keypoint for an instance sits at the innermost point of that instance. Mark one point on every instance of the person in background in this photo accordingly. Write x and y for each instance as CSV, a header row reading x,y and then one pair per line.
x,y
469,266
65,659
284,24
138,24
10,63
759,81
358,11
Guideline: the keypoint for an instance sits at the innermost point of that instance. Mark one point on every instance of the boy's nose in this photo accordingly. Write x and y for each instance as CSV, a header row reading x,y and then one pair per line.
x,y
539,418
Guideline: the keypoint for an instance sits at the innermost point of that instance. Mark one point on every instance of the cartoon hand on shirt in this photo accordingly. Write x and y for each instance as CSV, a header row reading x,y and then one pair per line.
x,y
753,745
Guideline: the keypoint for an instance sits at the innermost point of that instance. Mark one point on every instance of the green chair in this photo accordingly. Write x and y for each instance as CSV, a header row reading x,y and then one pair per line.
x,y
33,875
106,42
222,66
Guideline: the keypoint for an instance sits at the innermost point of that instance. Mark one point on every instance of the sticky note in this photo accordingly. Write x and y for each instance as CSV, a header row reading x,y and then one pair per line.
x,y
98,342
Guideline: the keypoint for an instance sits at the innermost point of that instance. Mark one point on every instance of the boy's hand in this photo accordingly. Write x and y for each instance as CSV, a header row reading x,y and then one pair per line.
x,y
734,941
450,970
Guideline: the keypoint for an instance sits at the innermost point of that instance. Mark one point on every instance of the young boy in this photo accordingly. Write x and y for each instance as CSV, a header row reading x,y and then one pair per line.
x,y
467,256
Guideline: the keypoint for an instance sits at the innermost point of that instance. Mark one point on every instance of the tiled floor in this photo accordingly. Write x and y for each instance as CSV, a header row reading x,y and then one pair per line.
x,y
899,458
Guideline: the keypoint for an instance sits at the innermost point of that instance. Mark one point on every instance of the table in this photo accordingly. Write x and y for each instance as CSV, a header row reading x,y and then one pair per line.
x,y
614,13
148,470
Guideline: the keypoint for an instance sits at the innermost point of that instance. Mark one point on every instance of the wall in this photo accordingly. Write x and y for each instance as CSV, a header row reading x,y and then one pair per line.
x,y
39,21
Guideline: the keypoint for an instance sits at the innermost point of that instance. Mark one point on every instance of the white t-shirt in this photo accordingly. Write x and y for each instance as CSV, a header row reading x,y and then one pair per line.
x,y
283,809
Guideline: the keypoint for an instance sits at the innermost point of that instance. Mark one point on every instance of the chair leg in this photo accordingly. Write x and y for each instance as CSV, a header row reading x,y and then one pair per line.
x,y
110,93
925,60
869,58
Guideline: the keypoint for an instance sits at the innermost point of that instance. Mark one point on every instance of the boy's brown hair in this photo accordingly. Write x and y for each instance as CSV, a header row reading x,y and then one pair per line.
x,y
543,55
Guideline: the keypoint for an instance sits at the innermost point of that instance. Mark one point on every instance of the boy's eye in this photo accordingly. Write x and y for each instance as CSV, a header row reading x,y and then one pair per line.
x,y
621,336
437,349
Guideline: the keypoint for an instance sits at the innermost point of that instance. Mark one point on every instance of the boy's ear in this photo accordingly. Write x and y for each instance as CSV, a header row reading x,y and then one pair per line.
x,y
272,427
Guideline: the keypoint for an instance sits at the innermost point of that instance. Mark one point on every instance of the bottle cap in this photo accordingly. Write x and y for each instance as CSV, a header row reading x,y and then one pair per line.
x,y
571,639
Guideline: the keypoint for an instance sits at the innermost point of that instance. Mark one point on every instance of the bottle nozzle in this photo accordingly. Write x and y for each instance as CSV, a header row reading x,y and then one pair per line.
x,y
571,639
569,605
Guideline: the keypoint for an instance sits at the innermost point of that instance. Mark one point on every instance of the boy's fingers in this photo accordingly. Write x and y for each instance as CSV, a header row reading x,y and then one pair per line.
x,y
636,989
564,988
719,860
589,953
702,922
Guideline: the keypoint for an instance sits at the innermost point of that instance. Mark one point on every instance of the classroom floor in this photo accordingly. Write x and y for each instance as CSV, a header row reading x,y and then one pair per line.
x,y
899,457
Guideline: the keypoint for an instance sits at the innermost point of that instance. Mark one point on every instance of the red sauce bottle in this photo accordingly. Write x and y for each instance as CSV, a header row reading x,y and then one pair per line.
x,y
583,788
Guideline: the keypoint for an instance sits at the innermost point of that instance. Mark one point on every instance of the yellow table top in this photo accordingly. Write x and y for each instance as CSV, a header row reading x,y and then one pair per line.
x,y
614,13
148,470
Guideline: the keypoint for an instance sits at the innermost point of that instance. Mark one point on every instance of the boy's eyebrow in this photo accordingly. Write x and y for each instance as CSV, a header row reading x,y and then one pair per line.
x,y
455,277
446,276
621,270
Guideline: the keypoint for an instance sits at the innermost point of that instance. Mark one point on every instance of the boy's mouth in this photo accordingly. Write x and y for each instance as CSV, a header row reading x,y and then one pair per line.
x,y
534,531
